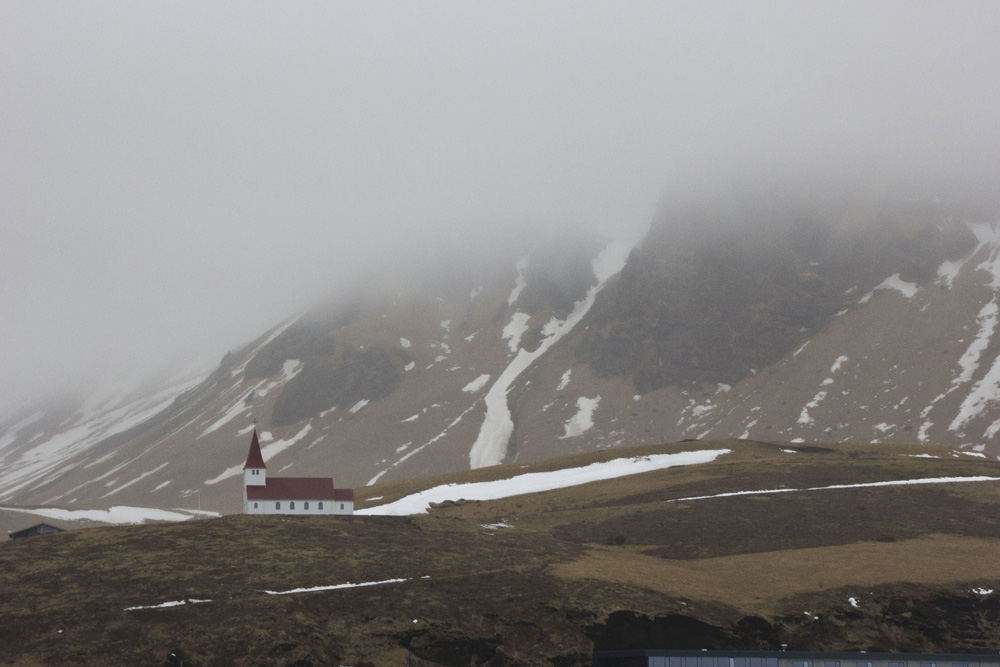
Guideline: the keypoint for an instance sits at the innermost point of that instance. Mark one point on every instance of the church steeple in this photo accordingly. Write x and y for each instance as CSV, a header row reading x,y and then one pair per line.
x,y
254,458
254,470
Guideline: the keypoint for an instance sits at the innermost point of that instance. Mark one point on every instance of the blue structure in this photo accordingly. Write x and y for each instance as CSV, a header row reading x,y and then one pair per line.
x,y
668,658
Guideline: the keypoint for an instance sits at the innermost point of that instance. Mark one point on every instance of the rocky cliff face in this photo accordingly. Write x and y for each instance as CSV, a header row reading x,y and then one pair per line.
x,y
858,322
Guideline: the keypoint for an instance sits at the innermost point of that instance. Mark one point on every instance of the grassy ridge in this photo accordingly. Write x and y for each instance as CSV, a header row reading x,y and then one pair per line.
x,y
608,564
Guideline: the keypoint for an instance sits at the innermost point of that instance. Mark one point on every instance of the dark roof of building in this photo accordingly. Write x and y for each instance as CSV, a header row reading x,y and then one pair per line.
x,y
254,458
299,488
37,529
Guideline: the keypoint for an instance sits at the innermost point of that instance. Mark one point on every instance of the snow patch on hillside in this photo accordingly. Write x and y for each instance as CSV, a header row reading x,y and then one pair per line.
x,y
289,370
948,271
164,605
536,482
989,236
313,589
863,485
404,343
491,444
267,452
137,479
520,283
804,416
119,514
46,460
893,282
969,362
564,380
984,392
419,449
515,329
477,384
583,420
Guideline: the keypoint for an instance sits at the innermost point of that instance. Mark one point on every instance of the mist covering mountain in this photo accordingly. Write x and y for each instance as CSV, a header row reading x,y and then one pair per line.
x,y
860,320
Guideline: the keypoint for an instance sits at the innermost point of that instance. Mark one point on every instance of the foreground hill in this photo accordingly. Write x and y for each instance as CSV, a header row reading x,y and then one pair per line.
x,y
820,547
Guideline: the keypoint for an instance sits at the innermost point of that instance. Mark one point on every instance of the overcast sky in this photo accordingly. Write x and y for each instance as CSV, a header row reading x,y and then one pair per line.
x,y
176,177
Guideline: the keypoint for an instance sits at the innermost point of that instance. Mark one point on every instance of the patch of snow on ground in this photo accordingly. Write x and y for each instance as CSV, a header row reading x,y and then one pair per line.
x,y
491,444
137,479
948,271
984,392
564,380
883,427
411,419
337,586
280,329
515,329
583,420
446,324
898,482
969,362
520,283
11,434
357,406
48,457
982,591
989,236
837,363
898,284
419,503
409,366
699,410
804,417
802,347
423,446
477,384
161,485
404,343
119,514
853,602
164,605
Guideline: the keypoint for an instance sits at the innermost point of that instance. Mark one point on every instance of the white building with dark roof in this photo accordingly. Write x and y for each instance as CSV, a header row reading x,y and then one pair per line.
x,y
289,495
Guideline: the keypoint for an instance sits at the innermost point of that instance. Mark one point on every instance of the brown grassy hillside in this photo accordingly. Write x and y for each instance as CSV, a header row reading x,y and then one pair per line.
x,y
616,564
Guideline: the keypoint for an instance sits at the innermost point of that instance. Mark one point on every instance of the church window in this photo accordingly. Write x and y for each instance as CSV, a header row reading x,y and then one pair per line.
x,y
321,504
255,505
277,505
341,505
291,505
305,505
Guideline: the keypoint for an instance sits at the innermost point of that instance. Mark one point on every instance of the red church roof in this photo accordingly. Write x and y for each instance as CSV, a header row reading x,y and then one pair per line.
x,y
299,488
254,459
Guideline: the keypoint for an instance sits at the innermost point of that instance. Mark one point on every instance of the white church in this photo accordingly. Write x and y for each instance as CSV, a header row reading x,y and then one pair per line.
x,y
289,495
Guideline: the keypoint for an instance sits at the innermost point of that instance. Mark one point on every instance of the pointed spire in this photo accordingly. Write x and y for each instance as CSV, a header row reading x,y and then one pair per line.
x,y
254,458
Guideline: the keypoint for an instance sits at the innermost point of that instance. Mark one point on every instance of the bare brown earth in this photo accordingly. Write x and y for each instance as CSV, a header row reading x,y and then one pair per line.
x,y
616,564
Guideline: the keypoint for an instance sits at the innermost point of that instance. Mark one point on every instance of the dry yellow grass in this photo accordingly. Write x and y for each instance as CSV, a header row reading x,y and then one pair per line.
x,y
759,581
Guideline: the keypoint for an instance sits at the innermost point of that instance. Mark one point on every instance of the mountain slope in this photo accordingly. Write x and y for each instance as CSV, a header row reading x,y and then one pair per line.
x,y
866,322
